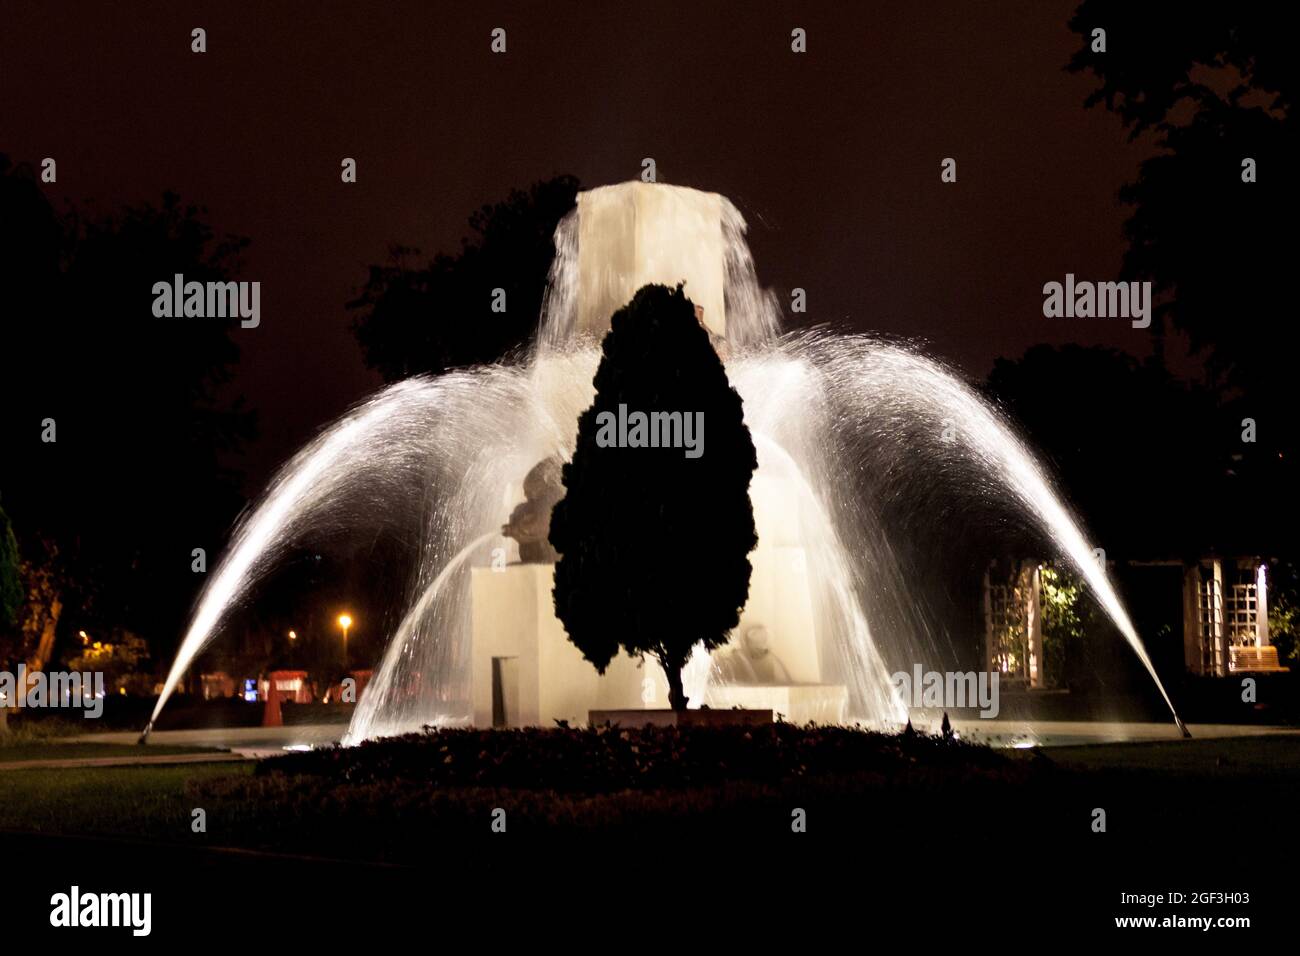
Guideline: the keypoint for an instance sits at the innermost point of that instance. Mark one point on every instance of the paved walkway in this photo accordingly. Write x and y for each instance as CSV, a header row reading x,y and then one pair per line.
x,y
243,743
251,741
1066,733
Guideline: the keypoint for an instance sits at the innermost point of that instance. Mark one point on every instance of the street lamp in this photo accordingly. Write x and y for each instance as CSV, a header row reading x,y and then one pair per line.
x,y
345,622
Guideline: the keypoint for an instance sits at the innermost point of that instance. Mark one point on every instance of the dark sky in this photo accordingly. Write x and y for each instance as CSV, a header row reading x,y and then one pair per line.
x,y
832,156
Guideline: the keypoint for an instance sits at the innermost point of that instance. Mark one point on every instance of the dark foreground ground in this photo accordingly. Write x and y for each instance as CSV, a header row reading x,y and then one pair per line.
x,y
625,830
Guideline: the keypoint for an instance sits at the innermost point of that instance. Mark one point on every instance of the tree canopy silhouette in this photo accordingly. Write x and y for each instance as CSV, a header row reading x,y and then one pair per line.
x,y
108,513
427,319
1128,441
654,545
11,589
1216,89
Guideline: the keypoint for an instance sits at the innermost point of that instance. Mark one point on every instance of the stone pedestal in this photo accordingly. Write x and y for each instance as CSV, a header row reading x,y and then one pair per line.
x,y
524,670
793,703
680,718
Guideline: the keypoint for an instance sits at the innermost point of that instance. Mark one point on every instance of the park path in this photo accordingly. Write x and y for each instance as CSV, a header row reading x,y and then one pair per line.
x,y
122,760
243,743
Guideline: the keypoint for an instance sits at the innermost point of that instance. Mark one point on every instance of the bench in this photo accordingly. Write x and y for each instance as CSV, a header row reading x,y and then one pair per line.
x,y
1251,658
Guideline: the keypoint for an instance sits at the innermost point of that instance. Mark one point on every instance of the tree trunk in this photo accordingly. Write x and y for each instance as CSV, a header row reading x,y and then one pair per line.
x,y
676,696
45,645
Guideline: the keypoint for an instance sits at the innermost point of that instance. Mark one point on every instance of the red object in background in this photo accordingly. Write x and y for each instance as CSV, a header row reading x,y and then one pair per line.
x,y
282,686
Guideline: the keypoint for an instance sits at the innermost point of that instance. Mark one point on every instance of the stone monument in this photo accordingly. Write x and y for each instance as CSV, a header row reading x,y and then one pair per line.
x,y
524,670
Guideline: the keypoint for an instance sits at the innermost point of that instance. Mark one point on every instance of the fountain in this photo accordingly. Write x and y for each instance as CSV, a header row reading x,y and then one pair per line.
x,y
450,460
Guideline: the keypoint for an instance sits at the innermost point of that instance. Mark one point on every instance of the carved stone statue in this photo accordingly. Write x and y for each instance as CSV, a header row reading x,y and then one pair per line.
x,y
753,661
530,522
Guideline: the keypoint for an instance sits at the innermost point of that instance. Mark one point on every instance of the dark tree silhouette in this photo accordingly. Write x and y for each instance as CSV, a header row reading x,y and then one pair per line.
x,y
109,513
1128,441
654,545
1214,86
428,319
11,589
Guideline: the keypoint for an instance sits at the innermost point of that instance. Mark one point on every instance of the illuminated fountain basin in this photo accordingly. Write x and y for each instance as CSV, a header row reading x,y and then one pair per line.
x,y
445,458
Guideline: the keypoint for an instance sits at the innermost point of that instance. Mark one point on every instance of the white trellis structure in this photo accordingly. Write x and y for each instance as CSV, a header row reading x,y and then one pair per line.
x,y
1013,622
1225,614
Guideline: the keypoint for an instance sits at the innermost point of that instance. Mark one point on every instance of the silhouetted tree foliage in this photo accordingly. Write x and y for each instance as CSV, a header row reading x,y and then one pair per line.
x,y
428,319
1215,84
134,481
1128,442
11,589
654,545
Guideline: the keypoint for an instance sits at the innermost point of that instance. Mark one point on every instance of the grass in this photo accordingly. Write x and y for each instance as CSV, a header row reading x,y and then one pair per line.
x,y
1258,758
15,731
70,750
148,802
399,800
379,803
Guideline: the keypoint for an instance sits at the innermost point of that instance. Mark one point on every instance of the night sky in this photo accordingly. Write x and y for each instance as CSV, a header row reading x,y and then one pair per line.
x,y
832,156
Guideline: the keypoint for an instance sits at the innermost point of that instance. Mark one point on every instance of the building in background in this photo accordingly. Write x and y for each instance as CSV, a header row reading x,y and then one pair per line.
x,y
1224,620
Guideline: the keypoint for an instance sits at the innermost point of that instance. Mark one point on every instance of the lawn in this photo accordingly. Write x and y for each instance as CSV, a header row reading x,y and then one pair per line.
x,y
404,800
58,750
147,802
1255,758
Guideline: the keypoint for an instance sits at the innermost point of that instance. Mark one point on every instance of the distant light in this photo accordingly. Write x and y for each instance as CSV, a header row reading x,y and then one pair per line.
x,y
293,635
1024,745
345,621
297,748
